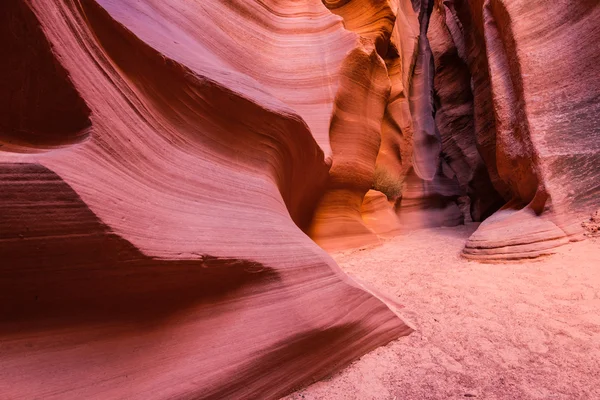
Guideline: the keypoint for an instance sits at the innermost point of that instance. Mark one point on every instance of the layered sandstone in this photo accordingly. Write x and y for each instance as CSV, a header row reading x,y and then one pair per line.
x,y
542,61
151,231
164,166
472,120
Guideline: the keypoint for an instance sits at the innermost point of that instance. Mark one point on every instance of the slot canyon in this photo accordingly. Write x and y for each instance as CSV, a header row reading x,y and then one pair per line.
x,y
299,199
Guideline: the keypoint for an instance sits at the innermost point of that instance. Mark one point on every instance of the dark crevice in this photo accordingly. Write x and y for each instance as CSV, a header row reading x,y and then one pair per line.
x,y
41,109
62,266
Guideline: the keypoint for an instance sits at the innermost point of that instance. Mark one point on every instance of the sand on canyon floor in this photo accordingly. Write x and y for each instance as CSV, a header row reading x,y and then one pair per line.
x,y
521,330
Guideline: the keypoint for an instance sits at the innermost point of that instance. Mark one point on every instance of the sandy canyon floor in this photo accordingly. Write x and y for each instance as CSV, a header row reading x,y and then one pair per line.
x,y
527,330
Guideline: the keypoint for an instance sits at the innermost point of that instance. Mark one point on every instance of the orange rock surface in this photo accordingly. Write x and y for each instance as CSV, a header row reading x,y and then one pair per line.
x,y
172,173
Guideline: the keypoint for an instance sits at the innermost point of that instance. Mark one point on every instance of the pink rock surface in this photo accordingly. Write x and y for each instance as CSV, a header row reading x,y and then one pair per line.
x,y
548,167
171,171
163,254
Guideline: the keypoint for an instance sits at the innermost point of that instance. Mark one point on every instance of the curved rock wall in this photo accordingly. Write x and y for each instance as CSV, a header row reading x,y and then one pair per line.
x,y
40,107
162,254
471,119
355,139
163,164
541,60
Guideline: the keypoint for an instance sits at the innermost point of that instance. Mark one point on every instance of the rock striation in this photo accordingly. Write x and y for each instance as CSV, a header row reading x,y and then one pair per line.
x,y
472,129
172,171
545,167
151,232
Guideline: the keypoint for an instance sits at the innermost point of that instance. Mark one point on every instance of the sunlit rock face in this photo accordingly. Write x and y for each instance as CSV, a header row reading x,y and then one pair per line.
x,y
493,105
172,171
160,161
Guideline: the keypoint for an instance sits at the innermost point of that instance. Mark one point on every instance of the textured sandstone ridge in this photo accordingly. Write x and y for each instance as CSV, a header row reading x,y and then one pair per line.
x,y
472,119
543,95
163,164
160,254
355,140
